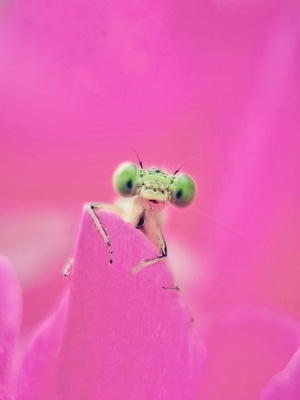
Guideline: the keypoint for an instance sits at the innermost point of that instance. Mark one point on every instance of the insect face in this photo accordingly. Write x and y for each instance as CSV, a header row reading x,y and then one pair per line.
x,y
154,185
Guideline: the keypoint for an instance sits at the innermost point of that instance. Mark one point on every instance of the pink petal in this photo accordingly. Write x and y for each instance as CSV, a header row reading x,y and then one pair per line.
x,y
41,362
37,242
10,317
286,384
245,348
125,335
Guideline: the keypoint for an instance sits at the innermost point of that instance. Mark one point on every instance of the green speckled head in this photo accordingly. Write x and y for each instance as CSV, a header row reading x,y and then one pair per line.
x,y
154,185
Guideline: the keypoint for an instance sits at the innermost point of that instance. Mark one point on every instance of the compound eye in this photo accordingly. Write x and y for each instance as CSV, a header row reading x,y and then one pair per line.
x,y
183,191
125,179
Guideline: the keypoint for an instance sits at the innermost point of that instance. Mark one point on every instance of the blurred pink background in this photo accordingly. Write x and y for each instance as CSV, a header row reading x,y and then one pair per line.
x,y
214,83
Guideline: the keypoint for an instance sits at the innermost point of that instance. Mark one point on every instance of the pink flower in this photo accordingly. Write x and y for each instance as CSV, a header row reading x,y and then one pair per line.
x,y
115,334
82,83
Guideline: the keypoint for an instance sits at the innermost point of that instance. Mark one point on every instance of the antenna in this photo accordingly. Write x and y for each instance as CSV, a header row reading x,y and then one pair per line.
x,y
178,169
140,162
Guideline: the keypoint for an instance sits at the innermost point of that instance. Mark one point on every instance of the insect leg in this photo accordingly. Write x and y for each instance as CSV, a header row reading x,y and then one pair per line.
x,y
176,288
159,239
91,209
68,268
145,263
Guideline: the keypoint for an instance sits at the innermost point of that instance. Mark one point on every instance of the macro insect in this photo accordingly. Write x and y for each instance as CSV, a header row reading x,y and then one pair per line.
x,y
148,191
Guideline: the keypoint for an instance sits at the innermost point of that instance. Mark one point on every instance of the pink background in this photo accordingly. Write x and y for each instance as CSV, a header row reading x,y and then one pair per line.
x,y
213,83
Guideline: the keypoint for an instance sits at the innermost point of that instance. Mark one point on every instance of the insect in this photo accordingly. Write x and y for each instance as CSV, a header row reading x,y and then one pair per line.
x,y
147,192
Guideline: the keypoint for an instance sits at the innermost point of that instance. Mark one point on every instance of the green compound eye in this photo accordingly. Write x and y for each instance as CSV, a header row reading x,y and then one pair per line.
x,y
183,191
125,179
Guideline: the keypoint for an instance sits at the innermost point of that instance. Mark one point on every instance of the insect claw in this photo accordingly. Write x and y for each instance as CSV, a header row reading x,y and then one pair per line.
x,y
68,268
177,288
164,252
